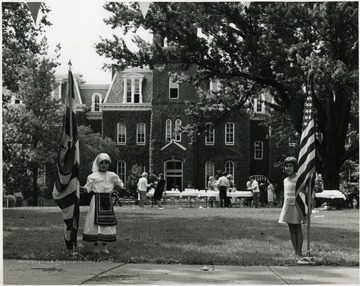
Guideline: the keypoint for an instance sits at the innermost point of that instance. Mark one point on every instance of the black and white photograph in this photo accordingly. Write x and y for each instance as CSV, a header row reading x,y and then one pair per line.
x,y
180,143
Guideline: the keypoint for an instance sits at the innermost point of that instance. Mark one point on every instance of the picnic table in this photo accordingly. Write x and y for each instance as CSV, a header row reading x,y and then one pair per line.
x,y
330,194
193,194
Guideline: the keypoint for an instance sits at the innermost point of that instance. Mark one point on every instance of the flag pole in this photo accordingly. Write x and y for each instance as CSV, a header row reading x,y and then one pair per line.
x,y
309,185
66,191
309,218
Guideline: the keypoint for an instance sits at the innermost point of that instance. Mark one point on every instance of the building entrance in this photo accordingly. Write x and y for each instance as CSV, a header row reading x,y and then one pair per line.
x,y
174,174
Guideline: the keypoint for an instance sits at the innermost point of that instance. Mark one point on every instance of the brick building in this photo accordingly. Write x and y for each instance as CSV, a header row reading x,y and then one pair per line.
x,y
142,110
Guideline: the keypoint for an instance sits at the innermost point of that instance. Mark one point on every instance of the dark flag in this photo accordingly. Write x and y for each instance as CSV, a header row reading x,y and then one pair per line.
x,y
66,191
306,160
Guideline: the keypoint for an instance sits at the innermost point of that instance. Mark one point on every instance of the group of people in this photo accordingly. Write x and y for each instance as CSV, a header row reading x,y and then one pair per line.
x,y
100,222
143,186
262,194
224,183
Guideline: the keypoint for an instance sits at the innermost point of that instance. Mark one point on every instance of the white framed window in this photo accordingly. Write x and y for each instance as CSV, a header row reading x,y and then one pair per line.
x,y
133,89
121,134
41,179
209,170
215,85
168,130
96,99
230,133
258,150
229,168
177,130
173,89
209,134
140,133
174,174
121,171
259,104
15,99
128,91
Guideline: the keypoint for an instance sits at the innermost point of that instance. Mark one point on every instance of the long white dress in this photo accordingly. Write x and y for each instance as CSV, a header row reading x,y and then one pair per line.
x,y
289,212
100,182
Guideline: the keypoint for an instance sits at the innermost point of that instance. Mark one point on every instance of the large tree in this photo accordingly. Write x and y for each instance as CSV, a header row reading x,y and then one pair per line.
x,y
31,130
272,45
20,38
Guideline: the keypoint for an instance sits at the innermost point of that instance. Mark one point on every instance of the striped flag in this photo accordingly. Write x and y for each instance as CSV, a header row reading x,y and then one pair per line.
x,y
66,192
306,160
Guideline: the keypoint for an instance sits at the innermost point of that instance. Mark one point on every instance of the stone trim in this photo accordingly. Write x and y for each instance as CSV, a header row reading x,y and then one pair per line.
x,y
125,106
173,142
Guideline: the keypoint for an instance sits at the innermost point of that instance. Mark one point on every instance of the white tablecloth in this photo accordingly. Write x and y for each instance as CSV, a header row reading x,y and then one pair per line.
x,y
202,194
330,194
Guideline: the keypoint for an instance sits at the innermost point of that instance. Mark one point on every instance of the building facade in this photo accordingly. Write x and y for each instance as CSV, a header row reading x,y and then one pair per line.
x,y
143,111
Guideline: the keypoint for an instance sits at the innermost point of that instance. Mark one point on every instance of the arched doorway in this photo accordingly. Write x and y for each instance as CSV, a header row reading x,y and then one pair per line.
x,y
173,174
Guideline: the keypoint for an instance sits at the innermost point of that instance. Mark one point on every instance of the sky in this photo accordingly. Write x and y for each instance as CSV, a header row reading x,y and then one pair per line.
x,y
77,26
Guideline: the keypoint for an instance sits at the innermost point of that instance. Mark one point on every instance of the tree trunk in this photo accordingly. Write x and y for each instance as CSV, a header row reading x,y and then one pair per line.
x,y
35,187
331,171
335,130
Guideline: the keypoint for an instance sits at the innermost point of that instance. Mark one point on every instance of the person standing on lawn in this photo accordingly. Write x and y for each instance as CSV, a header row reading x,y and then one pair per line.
x,y
249,200
142,186
262,194
289,213
271,193
100,222
223,184
229,201
255,189
159,189
212,186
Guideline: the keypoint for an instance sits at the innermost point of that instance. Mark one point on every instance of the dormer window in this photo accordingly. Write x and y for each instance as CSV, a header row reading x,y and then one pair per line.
x,y
133,89
259,104
96,99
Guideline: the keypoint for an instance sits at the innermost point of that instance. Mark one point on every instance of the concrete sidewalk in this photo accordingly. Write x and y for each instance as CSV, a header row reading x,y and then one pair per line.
x,y
85,272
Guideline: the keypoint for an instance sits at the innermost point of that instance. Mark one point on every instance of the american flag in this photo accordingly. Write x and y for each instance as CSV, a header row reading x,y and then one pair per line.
x,y
306,160
66,192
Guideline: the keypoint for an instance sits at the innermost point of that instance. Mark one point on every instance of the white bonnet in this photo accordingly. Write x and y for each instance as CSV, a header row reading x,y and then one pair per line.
x,y
98,159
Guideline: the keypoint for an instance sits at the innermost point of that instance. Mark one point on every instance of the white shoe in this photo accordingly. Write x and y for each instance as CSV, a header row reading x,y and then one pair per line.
x,y
96,249
104,249
161,208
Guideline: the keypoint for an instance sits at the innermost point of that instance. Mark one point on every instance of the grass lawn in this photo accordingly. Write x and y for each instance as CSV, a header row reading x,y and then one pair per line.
x,y
234,236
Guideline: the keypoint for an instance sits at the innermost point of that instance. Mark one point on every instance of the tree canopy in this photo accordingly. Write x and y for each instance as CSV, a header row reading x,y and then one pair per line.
x,y
31,129
20,39
272,45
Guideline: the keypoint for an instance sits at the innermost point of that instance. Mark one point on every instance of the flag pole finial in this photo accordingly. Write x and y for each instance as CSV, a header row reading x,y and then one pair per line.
x,y
70,65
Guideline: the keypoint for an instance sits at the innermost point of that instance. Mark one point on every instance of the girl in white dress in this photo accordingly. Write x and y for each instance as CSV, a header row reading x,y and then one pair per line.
x,y
100,223
289,213
271,193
